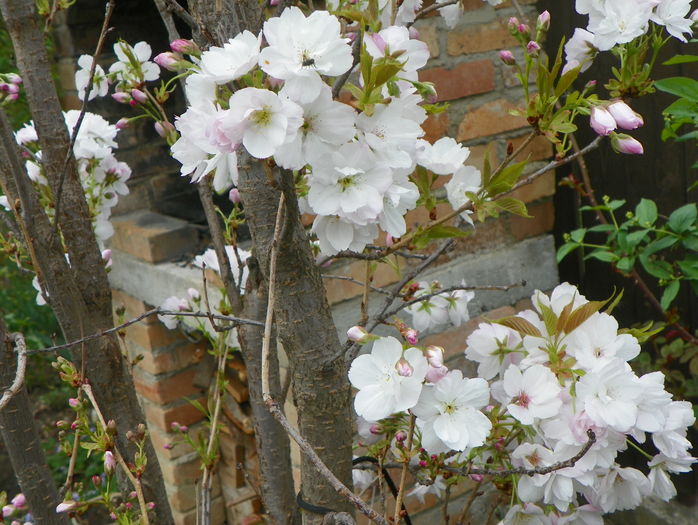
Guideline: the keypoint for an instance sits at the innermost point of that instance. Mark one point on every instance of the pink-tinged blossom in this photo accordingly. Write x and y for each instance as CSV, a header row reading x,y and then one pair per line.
x,y
622,143
382,390
494,347
533,48
260,120
173,304
336,234
601,121
19,501
624,116
582,515
100,85
526,514
168,60
436,373
579,50
66,506
618,21
444,157
610,394
187,47
507,57
619,489
597,340
303,48
421,491
415,53
533,394
236,58
449,415
358,334
109,462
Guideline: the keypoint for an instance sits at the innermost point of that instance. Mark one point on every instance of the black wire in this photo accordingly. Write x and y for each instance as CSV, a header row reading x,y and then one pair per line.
x,y
317,509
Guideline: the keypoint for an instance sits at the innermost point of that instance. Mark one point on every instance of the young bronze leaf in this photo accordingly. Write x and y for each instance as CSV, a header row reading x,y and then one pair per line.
x,y
521,325
581,314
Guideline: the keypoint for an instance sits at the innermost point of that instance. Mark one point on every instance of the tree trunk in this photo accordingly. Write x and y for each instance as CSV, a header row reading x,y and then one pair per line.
x,y
304,324
23,445
273,446
79,294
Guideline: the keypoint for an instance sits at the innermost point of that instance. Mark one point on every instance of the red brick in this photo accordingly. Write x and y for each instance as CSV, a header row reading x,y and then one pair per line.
x,y
465,79
489,119
163,416
436,126
543,186
183,470
480,37
540,148
542,220
163,390
132,307
163,361
429,34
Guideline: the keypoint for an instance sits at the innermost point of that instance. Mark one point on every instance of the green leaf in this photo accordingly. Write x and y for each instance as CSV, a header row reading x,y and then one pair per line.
x,y
512,205
520,324
682,219
602,228
646,212
602,255
505,179
625,264
680,86
566,81
657,268
680,59
669,294
659,244
440,231
691,243
578,235
636,238
549,317
689,268
564,250
614,302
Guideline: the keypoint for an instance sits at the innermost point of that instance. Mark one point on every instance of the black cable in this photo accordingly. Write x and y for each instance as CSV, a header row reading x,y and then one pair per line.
x,y
317,509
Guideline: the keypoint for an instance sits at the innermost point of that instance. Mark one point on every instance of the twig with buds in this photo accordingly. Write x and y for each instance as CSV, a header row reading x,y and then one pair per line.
x,y
403,474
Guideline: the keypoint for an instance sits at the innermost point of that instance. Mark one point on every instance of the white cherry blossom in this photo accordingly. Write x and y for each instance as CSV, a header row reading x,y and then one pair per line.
x,y
236,58
533,394
100,85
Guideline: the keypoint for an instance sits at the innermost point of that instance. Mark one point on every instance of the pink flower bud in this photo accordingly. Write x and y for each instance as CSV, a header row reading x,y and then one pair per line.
x,y
7,511
138,95
435,356
168,446
234,196
74,425
513,24
411,336
436,374
73,403
66,506
623,143
109,462
174,426
602,122
376,429
522,28
96,480
400,436
122,123
378,41
422,463
507,57
414,34
403,368
624,116
533,48
543,22
19,501
12,97
389,240
4,86
188,47
194,294
113,516
164,128
13,89
183,428
591,84
121,97
477,477
132,495
106,257
358,334
273,3
150,505
128,505
13,78
167,60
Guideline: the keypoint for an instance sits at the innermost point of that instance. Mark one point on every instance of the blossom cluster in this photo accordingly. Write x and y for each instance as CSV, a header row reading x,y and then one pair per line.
x,y
546,378
9,87
103,177
355,166
613,22
438,310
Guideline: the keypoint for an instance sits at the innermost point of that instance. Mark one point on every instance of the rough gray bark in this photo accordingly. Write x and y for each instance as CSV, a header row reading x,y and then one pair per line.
x,y
22,442
303,318
304,323
273,446
79,294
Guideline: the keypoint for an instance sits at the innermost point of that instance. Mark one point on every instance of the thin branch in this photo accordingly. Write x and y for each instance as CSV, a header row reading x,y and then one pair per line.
x,y
87,388
341,80
18,381
220,317
348,254
529,138
88,89
71,465
430,9
522,471
167,19
266,395
183,14
403,474
364,297
355,281
517,6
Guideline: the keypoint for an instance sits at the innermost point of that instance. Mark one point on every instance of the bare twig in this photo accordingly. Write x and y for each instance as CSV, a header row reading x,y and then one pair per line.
x,y
341,80
370,256
71,465
364,297
433,7
88,89
521,471
355,281
232,319
520,12
16,385
182,13
403,474
266,396
87,388
529,138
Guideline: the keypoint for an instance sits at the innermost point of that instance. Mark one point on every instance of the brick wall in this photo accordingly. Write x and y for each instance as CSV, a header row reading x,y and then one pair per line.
x,y
169,368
